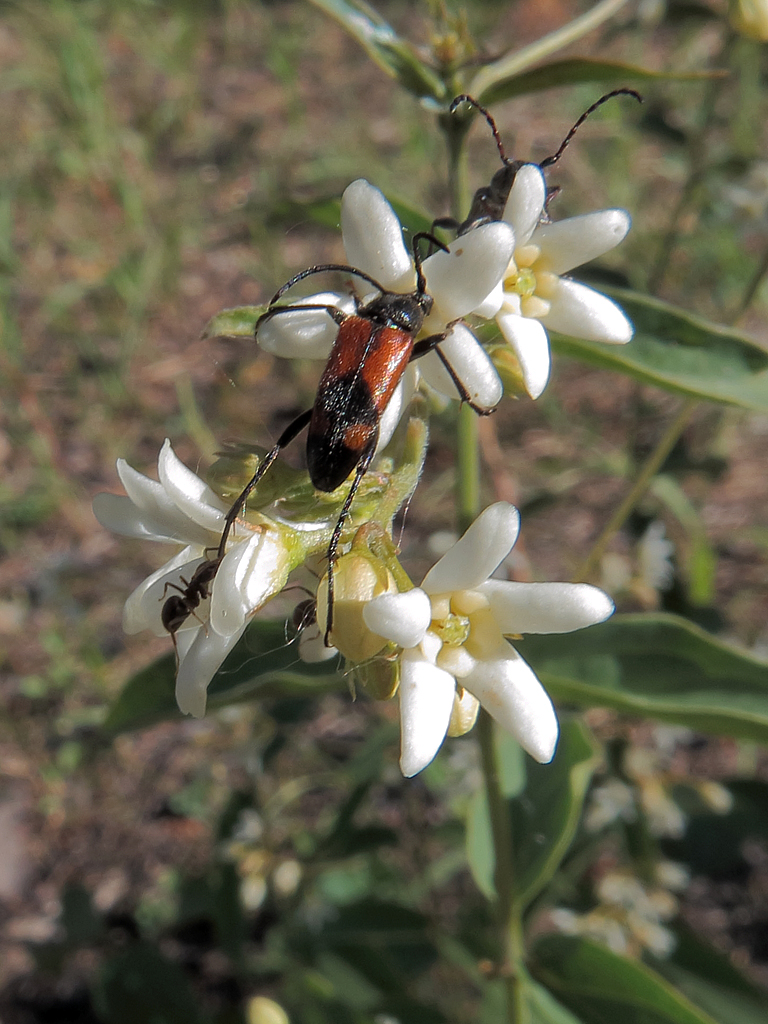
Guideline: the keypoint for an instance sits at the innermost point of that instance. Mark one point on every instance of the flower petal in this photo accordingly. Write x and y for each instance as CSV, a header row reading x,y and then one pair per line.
x,y
312,649
252,572
463,279
584,313
531,344
477,553
116,512
472,365
545,607
190,494
144,606
402,618
426,703
373,238
198,666
304,335
566,244
161,513
525,204
492,303
509,691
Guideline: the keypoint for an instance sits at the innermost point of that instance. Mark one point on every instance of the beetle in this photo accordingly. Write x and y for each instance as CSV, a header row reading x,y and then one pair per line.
x,y
489,201
368,358
178,607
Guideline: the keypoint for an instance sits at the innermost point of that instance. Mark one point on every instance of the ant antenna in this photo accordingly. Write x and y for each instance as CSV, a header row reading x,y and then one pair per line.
x,y
486,114
603,99
421,283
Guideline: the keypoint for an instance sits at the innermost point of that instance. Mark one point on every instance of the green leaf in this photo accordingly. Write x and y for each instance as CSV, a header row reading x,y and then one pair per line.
x,y
680,352
385,48
602,988
712,982
656,665
544,1008
546,814
263,663
701,561
237,322
479,844
576,71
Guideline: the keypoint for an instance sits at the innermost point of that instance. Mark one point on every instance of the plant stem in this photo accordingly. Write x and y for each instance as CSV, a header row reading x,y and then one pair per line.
x,y
651,467
507,912
509,922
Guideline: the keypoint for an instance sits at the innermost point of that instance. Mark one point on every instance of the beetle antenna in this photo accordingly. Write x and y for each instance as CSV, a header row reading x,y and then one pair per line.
x,y
342,267
598,103
421,283
486,114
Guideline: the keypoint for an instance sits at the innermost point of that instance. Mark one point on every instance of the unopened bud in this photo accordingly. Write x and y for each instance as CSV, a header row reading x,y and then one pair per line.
x,y
379,677
265,1011
464,713
357,578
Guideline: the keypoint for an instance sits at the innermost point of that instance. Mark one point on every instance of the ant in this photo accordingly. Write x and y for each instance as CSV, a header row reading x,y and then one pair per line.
x,y
489,201
178,607
369,356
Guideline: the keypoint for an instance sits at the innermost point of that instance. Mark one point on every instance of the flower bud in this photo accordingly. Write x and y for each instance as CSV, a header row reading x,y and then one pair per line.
x,y
358,577
265,1011
464,714
379,677
750,18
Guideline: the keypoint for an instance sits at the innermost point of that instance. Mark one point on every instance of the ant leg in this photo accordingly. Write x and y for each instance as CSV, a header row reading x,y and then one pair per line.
x,y
432,343
174,586
285,438
362,469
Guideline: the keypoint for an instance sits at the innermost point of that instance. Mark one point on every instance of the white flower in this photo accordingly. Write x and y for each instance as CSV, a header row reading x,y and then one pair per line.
x,y
458,281
181,509
533,296
452,630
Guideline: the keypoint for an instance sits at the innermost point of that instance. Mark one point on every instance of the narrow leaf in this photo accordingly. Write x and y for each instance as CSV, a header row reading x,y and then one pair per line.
x,y
263,663
680,352
237,322
600,986
546,814
383,45
577,70
656,665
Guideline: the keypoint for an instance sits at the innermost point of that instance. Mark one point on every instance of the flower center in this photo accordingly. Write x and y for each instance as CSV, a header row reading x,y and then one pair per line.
x,y
524,282
453,630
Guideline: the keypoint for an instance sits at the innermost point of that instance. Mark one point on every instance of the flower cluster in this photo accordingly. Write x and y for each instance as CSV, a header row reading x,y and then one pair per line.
x,y
444,646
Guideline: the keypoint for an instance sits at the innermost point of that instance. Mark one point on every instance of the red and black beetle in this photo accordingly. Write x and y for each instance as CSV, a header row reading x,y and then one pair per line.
x,y
489,201
371,351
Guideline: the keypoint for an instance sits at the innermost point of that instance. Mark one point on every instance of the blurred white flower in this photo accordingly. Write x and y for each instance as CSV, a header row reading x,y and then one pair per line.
x,y
534,296
453,633
654,552
458,281
609,802
182,509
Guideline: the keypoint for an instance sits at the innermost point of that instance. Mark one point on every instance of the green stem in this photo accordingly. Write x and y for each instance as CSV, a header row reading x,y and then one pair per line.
x,y
651,467
751,290
508,916
507,911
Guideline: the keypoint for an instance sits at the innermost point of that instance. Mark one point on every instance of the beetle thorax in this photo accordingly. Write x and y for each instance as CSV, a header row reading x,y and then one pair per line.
x,y
404,312
488,202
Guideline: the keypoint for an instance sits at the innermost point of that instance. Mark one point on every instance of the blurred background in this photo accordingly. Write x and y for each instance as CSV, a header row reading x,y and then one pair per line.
x,y
160,161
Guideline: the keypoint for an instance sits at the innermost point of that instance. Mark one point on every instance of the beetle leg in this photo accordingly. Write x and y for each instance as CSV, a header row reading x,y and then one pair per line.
x,y
285,438
432,343
362,469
